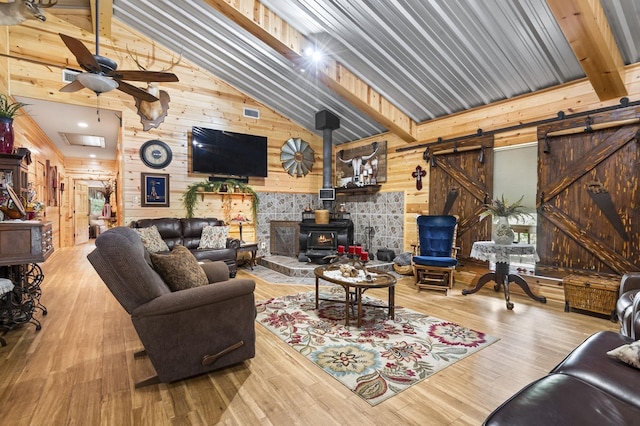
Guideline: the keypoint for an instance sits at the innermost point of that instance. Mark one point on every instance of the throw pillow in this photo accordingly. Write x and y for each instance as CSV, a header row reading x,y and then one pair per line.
x,y
151,239
629,354
179,269
214,237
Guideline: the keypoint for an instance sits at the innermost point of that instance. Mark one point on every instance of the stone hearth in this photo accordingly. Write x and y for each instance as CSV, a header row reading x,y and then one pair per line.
x,y
291,267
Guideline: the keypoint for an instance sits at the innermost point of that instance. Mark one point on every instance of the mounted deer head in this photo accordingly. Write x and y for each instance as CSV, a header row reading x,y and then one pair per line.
x,y
152,114
17,12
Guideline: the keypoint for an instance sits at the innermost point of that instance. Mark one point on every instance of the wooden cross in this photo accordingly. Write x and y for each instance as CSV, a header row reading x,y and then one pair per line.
x,y
418,175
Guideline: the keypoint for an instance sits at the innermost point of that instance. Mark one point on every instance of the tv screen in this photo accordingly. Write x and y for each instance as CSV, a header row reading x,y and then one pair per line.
x,y
218,152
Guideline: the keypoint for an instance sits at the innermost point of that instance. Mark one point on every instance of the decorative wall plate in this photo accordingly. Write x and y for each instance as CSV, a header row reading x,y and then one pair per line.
x,y
297,157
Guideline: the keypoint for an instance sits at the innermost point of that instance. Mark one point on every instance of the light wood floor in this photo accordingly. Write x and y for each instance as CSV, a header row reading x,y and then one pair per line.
x,y
79,369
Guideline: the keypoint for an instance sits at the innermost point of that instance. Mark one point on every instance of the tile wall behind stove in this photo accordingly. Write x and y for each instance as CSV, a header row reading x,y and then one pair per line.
x,y
382,213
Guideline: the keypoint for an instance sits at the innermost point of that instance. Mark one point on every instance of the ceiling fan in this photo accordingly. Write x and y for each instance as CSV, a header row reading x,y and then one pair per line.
x,y
102,75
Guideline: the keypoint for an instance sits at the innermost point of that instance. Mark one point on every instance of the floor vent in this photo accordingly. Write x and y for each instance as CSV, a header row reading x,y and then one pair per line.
x,y
251,113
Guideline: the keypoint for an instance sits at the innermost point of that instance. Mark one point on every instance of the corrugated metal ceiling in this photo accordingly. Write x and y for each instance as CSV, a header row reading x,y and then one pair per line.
x,y
428,58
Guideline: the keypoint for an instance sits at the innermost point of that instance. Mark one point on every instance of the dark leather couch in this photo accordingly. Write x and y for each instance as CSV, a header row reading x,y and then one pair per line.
x,y
187,232
628,306
588,387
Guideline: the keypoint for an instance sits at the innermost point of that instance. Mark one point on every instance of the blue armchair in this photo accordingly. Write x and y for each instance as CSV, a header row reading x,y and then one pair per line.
x,y
435,260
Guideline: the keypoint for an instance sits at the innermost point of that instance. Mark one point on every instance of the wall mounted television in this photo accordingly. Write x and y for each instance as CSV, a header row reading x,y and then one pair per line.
x,y
228,154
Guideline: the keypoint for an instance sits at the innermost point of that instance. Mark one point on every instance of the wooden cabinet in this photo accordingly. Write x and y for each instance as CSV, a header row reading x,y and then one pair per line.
x,y
15,172
24,242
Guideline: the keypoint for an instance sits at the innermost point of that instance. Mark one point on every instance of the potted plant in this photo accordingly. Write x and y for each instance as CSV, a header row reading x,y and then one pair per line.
x,y
501,210
8,110
190,197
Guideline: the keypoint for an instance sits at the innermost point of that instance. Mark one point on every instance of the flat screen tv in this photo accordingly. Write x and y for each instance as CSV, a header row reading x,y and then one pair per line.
x,y
222,153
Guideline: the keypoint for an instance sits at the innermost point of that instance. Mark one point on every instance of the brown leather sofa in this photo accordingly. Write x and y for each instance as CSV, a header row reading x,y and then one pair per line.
x,y
589,387
628,305
187,232
185,332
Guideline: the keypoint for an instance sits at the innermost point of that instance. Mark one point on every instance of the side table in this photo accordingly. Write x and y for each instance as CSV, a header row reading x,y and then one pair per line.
x,y
500,254
250,248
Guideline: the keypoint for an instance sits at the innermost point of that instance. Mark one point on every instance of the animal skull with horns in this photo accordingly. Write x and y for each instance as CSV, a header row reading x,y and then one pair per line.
x,y
18,11
359,161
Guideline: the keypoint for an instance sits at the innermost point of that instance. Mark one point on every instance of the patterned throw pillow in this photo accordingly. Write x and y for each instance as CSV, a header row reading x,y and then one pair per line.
x,y
151,239
214,237
179,269
629,354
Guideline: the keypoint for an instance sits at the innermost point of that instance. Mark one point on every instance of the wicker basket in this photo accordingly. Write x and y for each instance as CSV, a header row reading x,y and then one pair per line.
x,y
591,293
403,269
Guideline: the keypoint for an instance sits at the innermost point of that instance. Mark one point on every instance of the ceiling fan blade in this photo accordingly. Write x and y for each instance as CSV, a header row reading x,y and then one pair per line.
x,y
83,55
136,92
74,86
134,75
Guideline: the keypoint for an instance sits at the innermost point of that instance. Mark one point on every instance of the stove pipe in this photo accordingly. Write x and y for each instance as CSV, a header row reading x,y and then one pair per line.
x,y
327,122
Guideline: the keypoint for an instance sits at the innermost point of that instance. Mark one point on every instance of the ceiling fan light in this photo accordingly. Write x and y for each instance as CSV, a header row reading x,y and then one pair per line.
x,y
96,82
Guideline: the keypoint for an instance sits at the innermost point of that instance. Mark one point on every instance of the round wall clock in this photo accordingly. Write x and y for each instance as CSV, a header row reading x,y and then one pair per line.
x,y
155,154
297,157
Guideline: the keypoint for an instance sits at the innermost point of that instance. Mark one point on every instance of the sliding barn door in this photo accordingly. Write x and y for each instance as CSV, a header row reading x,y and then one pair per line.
x,y
588,200
461,179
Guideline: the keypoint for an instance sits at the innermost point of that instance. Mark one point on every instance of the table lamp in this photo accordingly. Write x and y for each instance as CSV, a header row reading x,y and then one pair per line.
x,y
240,219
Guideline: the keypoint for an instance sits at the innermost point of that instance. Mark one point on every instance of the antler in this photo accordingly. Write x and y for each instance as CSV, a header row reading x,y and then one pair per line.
x,y
173,64
151,59
134,57
45,6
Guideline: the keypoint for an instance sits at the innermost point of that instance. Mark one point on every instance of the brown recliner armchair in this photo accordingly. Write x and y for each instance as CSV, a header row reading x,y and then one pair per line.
x,y
185,332
628,305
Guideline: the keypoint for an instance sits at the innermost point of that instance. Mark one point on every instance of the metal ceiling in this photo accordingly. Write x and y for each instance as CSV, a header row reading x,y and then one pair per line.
x,y
429,58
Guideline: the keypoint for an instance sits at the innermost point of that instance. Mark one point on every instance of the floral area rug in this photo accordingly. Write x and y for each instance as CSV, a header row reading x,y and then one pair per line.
x,y
383,357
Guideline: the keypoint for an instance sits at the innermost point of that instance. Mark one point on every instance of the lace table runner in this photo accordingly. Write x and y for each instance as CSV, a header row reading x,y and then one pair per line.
x,y
492,252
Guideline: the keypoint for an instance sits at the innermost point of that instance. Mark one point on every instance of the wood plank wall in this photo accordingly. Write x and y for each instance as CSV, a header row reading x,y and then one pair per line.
x,y
199,99
204,100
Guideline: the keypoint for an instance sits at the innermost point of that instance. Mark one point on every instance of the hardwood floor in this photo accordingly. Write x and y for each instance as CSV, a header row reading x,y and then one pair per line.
x,y
80,369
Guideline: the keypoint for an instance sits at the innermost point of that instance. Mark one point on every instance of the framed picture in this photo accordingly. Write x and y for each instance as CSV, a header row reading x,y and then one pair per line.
x,y
361,166
154,190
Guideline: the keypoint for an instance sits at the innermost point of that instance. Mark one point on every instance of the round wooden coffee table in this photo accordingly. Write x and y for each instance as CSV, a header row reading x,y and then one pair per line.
x,y
355,288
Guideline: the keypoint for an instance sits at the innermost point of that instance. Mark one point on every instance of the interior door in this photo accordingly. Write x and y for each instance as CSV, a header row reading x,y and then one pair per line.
x,y
81,212
460,183
588,198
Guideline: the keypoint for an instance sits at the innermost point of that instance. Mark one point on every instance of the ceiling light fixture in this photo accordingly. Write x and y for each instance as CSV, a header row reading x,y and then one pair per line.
x,y
83,124
96,82
313,53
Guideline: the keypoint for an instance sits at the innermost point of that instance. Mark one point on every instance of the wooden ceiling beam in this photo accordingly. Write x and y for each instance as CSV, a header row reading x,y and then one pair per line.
x,y
587,30
263,23
106,13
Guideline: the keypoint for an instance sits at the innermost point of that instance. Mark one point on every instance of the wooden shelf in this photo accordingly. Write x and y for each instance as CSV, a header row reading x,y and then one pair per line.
x,y
241,194
367,189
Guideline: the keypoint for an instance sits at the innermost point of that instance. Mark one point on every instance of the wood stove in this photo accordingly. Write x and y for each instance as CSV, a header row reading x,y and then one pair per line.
x,y
317,240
